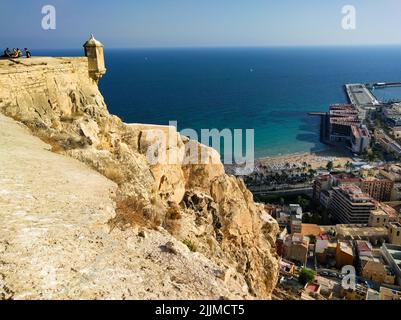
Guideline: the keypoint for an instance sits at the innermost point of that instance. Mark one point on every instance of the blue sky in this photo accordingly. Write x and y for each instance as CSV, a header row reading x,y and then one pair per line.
x,y
161,23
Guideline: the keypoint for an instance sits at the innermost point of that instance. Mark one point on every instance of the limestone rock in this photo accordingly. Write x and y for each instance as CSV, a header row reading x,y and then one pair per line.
x,y
188,193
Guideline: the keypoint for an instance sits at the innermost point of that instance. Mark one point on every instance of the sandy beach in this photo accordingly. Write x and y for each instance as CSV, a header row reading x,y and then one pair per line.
x,y
317,160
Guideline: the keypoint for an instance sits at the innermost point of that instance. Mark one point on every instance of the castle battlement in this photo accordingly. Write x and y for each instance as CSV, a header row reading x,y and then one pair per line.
x,y
92,64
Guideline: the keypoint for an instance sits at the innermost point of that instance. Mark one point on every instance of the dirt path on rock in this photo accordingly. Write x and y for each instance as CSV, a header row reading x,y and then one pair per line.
x,y
55,242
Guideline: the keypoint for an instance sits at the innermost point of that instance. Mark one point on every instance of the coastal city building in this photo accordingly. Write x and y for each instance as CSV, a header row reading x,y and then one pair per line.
x,y
339,179
388,144
310,230
394,233
391,116
360,139
325,251
296,226
312,291
368,235
329,288
295,210
340,120
344,254
392,213
392,256
290,217
321,183
378,218
343,125
396,132
373,295
357,294
280,241
296,248
389,294
350,205
322,187
325,198
375,235
377,272
378,189
371,264
391,172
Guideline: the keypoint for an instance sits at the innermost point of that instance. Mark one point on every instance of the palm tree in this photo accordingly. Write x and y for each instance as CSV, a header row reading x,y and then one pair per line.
x,y
348,166
330,165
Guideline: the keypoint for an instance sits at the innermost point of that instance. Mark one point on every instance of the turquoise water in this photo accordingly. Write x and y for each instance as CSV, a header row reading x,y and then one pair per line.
x,y
269,90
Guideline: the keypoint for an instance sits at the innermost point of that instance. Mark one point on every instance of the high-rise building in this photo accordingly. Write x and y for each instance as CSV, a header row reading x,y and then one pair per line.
x,y
379,189
321,183
341,119
349,205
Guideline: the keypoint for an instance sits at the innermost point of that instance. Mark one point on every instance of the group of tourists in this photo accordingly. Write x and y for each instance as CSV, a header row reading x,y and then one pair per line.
x,y
16,53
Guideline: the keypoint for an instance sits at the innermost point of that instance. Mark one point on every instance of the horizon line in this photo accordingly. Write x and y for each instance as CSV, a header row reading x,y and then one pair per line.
x,y
234,47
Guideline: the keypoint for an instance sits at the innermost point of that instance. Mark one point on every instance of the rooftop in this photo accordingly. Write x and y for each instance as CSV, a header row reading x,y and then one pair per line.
x,y
388,210
345,108
312,287
346,115
92,42
363,247
360,232
345,177
345,121
346,247
310,229
395,224
360,132
395,253
298,238
379,213
354,194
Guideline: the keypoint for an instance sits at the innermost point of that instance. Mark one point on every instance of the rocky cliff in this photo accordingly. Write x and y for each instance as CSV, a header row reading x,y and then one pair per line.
x,y
195,204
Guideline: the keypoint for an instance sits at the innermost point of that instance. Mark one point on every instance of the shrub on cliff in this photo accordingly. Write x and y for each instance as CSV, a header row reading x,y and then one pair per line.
x,y
306,276
191,246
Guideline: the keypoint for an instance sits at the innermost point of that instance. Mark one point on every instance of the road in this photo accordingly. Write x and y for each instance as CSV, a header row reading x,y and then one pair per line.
x,y
292,191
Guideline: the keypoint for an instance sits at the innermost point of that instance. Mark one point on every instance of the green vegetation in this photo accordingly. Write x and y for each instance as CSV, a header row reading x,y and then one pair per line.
x,y
378,123
317,216
303,200
305,276
330,166
304,203
376,152
191,246
312,238
349,166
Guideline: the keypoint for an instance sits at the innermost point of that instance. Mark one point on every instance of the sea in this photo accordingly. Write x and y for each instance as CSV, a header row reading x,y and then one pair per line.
x,y
269,90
